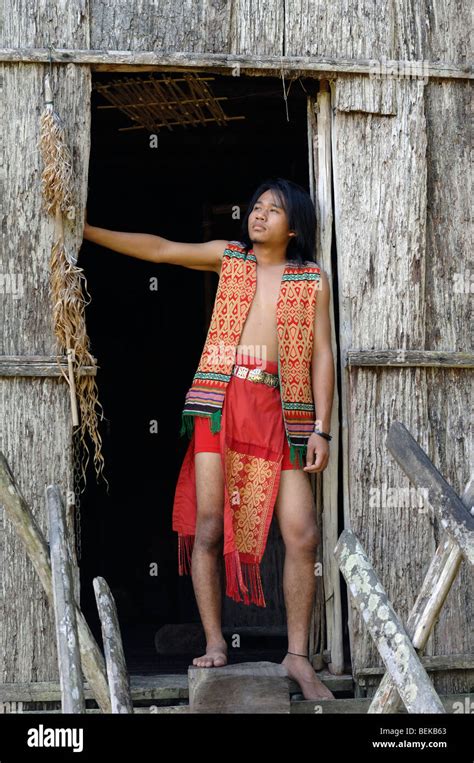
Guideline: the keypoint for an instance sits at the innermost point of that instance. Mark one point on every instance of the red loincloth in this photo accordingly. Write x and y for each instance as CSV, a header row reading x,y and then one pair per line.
x,y
253,449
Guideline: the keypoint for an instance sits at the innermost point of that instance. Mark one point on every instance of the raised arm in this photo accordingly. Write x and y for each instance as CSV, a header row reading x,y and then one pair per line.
x,y
145,246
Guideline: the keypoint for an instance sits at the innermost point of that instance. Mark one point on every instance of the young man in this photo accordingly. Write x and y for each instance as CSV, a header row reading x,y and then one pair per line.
x,y
251,415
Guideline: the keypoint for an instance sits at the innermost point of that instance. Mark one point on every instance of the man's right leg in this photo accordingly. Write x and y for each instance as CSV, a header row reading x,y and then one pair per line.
x,y
207,556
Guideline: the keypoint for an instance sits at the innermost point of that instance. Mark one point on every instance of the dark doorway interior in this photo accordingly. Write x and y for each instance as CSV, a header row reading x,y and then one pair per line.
x,y
148,343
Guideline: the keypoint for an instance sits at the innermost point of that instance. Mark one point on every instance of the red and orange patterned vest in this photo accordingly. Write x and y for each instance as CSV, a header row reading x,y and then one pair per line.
x,y
295,327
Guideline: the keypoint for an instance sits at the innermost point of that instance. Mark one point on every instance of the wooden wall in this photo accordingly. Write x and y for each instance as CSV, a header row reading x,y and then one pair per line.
x,y
400,152
35,412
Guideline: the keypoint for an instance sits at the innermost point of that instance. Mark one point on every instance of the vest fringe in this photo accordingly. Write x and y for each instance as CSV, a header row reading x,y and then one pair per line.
x,y
298,452
187,424
216,420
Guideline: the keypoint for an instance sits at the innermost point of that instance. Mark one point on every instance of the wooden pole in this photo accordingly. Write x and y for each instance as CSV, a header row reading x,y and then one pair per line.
x,y
391,639
119,683
345,342
320,147
36,547
436,586
453,516
69,657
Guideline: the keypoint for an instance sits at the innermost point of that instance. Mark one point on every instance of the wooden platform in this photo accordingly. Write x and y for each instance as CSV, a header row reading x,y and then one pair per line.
x,y
170,694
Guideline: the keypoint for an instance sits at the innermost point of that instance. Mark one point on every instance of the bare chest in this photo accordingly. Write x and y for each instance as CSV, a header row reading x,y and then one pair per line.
x,y
261,326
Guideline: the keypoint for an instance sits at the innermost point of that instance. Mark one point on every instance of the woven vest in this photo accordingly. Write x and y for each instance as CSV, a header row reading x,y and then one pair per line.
x,y
295,313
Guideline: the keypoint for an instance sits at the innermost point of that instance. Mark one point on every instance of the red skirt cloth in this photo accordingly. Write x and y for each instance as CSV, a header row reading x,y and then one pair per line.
x,y
254,450
209,442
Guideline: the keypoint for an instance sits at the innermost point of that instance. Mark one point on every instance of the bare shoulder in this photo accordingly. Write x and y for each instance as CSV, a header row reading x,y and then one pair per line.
x,y
323,295
323,282
220,245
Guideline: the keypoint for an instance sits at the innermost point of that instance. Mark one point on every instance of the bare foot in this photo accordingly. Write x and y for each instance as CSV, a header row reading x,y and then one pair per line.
x,y
301,671
215,657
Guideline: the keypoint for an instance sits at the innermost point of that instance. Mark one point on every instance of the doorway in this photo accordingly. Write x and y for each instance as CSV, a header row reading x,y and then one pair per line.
x,y
147,324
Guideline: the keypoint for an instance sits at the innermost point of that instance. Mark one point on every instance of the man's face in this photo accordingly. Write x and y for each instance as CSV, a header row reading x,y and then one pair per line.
x,y
268,221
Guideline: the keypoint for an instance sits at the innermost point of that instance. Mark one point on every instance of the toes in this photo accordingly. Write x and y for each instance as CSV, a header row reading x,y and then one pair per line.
x,y
208,662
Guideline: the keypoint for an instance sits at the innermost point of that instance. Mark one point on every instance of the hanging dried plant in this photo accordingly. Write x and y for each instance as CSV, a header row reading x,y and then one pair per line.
x,y
68,283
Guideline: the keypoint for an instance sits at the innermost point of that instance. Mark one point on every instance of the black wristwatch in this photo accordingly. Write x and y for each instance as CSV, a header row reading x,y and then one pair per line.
x,y
323,434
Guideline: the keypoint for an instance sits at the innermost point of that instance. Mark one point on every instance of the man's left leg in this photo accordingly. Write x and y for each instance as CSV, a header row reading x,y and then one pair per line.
x,y
294,509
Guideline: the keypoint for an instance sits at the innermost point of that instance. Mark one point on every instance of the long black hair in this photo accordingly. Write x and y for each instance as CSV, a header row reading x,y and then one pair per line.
x,y
301,218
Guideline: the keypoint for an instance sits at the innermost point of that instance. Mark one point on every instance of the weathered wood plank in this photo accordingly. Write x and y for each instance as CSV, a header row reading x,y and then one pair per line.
x,y
449,326
256,27
372,183
319,139
29,534
431,663
67,640
193,26
422,31
119,683
409,358
38,452
129,60
37,365
453,515
387,299
434,590
249,687
427,607
160,687
452,703
142,688
386,628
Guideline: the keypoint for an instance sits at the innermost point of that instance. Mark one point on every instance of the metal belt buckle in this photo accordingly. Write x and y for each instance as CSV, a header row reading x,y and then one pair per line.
x,y
241,371
256,375
272,379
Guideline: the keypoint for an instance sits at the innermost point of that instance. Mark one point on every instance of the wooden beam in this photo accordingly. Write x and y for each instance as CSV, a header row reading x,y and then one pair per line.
x,y
453,515
152,687
39,365
386,628
432,663
429,602
67,640
452,703
119,683
115,59
27,529
409,358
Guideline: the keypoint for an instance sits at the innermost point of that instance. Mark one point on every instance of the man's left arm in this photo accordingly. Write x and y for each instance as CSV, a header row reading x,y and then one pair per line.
x,y
322,380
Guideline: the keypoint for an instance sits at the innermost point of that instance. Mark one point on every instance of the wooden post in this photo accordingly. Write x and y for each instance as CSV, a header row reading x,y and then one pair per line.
x,y
436,585
69,658
36,547
345,341
319,139
119,683
392,641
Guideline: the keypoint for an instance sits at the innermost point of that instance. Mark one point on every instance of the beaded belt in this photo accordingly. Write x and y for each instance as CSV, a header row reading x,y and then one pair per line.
x,y
256,375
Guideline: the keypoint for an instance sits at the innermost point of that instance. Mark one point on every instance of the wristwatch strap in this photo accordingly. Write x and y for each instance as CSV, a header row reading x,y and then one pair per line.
x,y
323,434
